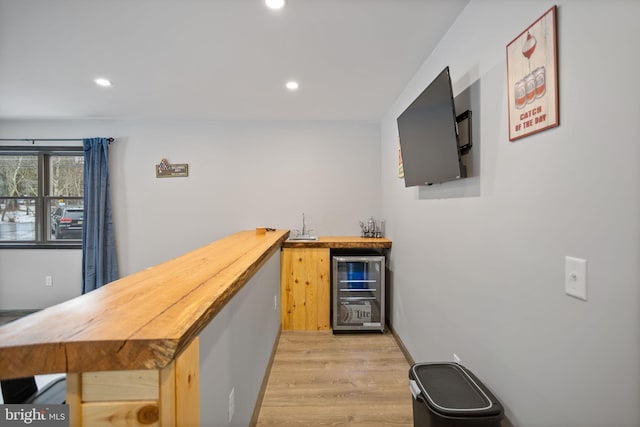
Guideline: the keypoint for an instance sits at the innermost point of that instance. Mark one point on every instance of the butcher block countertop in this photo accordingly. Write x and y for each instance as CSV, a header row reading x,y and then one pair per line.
x,y
340,242
142,321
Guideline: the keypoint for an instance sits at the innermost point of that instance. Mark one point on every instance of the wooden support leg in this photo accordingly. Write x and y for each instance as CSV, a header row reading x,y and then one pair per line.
x,y
162,398
187,395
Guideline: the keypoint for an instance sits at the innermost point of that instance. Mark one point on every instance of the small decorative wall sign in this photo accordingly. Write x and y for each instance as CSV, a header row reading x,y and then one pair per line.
x,y
167,170
532,78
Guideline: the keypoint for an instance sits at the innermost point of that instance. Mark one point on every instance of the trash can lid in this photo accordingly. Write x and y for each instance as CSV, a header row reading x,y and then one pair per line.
x,y
451,390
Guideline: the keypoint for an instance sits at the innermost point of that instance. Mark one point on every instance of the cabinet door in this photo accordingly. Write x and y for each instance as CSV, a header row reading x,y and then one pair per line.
x,y
305,292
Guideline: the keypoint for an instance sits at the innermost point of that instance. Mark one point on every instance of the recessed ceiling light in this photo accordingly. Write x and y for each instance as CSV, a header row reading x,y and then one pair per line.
x,y
274,4
102,82
292,85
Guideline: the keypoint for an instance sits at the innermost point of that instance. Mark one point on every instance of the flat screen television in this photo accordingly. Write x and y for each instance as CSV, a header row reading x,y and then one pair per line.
x,y
429,137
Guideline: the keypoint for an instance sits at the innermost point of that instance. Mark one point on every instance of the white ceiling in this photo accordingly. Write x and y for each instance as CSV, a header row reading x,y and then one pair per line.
x,y
213,59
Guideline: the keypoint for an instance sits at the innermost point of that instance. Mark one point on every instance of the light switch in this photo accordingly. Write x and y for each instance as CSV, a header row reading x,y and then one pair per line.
x,y
575,277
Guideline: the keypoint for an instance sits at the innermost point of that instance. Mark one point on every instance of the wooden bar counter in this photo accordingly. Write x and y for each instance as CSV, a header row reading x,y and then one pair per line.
x,y
305,279
130,348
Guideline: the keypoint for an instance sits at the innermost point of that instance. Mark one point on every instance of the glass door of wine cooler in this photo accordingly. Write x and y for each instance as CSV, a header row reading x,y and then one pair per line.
x,y
358,293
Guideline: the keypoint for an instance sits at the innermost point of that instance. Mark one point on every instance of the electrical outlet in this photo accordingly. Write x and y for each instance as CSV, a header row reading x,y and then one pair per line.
x,y
232,403
48,281
456,359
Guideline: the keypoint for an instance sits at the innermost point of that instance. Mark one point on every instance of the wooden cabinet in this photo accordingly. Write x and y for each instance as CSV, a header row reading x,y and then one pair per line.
x,y
305,279
305,289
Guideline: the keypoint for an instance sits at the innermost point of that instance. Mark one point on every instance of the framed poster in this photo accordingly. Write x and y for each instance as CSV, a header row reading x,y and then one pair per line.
x,y
532,78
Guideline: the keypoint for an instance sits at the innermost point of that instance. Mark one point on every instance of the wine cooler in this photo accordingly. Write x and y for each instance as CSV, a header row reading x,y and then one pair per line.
x,y
358,284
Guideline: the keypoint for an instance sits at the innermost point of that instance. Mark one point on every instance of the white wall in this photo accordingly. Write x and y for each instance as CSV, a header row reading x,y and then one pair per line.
x,y
242,175
236,346
22,277
481,273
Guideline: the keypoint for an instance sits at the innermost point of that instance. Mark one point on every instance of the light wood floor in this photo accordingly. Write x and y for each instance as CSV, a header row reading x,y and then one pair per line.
x,y
7,316
321,379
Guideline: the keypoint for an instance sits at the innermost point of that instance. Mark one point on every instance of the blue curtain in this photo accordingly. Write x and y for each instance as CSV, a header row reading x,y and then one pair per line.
x,y
98,248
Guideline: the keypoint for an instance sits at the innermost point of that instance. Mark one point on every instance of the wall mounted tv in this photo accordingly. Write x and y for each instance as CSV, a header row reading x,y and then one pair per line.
x,y
428,133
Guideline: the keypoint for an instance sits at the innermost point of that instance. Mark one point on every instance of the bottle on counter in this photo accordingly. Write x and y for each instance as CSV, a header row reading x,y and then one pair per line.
x,y
371,227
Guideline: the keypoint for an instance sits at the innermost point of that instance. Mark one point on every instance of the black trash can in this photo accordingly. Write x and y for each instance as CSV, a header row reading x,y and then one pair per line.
x,y
448,394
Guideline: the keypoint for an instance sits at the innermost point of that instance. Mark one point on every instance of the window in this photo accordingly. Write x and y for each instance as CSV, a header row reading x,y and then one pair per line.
x,y
41,197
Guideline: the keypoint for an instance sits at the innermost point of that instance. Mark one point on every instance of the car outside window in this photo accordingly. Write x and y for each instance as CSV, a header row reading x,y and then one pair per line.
x,y
66,223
